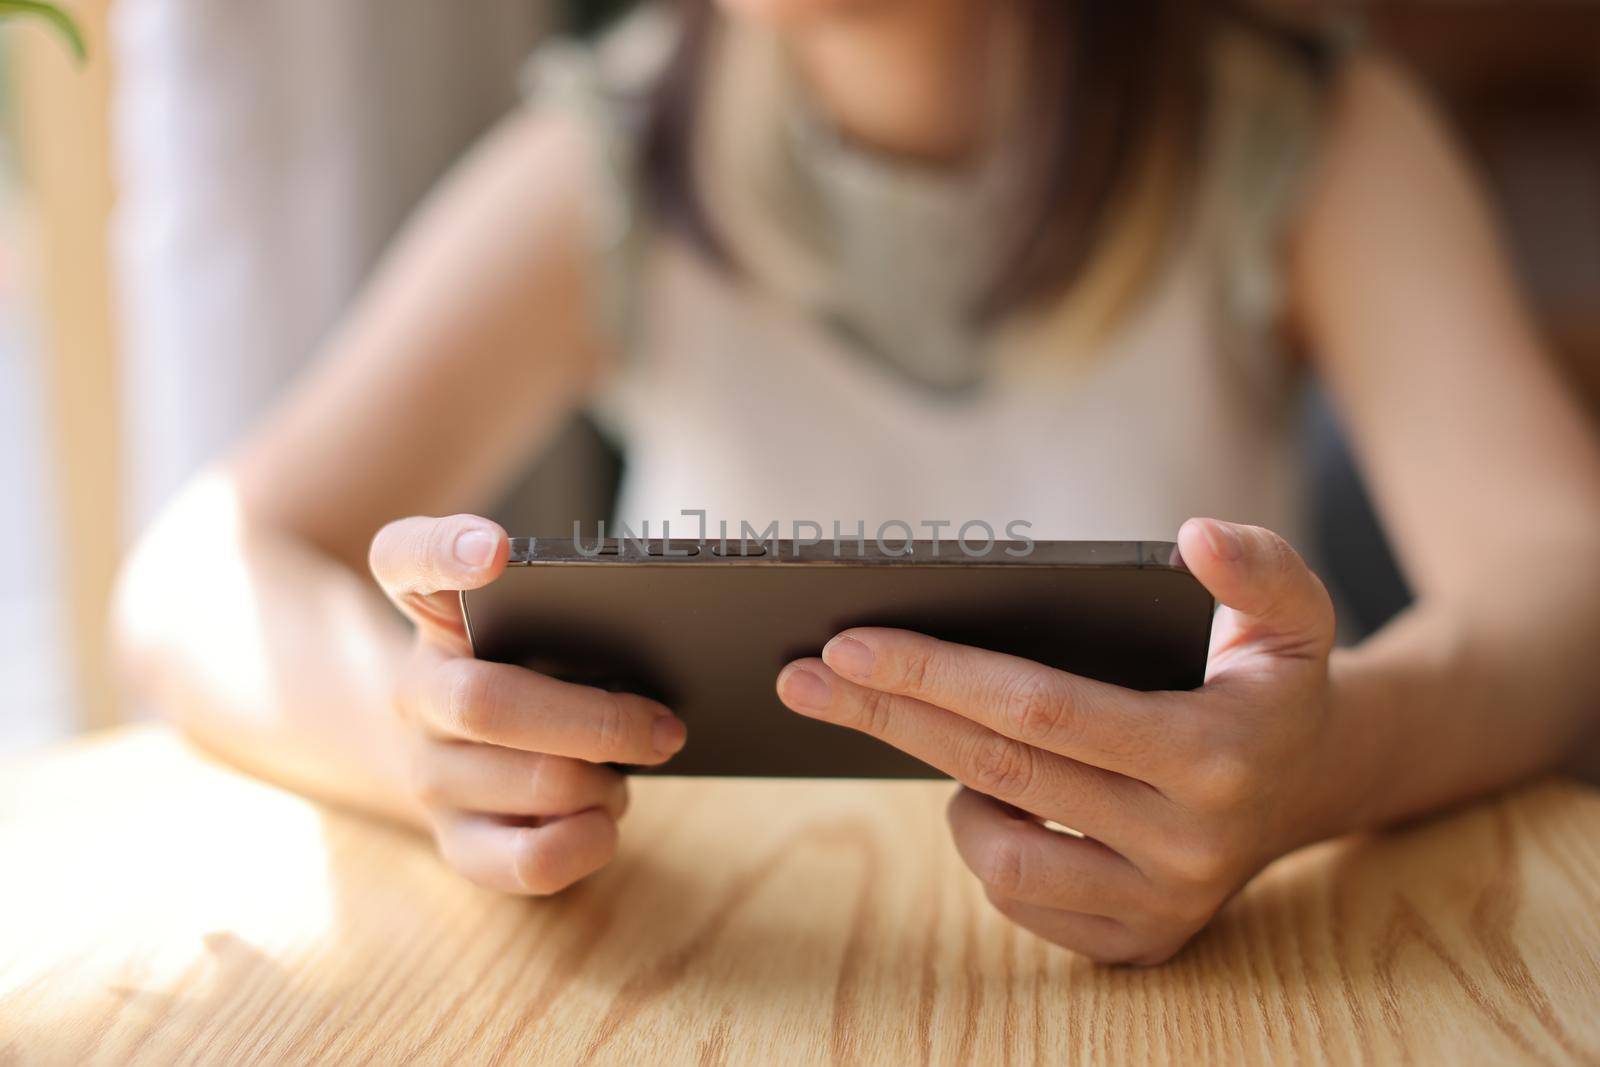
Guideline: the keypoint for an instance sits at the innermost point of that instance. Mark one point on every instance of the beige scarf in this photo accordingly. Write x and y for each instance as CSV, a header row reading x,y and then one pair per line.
x,y
891,255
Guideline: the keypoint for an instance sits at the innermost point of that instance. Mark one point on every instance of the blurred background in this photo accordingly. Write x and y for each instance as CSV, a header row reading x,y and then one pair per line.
x,y
184,214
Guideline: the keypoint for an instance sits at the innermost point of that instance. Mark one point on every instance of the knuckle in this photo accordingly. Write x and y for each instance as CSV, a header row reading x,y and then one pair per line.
x,y
872,711
447,840
1288,559
1282,561
532,865
1285,561
613,726
396,556
1225,782
1032,707
1002,767
400,555
1272,544
916,666
549,782
1179,907
427,779
1002,866
471,700
430,548
1201,862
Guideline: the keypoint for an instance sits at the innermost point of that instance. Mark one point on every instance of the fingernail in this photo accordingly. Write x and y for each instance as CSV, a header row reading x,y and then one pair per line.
x,y
848,656
804,689
475,548
1223,540
668,734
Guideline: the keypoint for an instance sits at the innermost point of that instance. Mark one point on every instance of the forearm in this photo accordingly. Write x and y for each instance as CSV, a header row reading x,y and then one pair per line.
x,y
268,653
1453,700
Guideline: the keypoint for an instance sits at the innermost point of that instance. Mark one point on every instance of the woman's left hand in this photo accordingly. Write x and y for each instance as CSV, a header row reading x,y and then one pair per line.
x,y
1181,796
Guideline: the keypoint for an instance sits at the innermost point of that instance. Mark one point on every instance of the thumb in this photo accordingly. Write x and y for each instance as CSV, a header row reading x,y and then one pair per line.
x,y
422,563
1269,593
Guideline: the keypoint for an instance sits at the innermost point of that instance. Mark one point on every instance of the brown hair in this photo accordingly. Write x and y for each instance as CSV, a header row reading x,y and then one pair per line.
x,y
1122,91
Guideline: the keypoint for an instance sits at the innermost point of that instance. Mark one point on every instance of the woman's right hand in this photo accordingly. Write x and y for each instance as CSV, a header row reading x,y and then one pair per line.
x,y
505,762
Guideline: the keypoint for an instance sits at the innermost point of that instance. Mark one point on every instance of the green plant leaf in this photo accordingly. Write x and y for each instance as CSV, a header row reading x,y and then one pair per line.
x,y
53,14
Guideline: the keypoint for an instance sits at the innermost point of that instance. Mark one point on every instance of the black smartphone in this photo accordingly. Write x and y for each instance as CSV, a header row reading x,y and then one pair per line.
x,y
704,627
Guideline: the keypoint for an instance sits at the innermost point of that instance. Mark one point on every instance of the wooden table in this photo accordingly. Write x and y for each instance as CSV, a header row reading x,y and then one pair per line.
x,y
159,908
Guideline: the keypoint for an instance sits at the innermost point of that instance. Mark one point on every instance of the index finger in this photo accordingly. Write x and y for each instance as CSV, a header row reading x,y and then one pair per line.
x,y
422,563
1117,729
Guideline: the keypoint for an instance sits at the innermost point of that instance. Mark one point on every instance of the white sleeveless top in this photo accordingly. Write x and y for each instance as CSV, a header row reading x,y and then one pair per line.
x,y
733,401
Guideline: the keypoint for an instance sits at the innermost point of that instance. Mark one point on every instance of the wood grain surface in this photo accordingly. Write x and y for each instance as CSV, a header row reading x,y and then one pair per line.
x,y
157,908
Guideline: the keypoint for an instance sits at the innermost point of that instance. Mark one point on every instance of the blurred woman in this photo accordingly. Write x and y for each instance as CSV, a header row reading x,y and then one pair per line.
x,y
860,260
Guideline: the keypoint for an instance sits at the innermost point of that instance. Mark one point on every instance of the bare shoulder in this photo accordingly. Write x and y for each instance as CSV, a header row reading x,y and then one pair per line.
x,y
1374,94
1393,201
1387,152
546,144
532,170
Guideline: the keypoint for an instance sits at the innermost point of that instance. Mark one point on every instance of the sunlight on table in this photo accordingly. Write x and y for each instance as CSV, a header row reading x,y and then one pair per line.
x,y
248,874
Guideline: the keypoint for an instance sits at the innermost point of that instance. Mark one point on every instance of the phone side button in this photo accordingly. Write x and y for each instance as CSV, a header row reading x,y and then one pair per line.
x,y
734,550
672,549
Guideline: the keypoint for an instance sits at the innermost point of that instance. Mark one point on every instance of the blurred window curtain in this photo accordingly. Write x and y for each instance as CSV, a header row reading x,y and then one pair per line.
x,y
265,153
